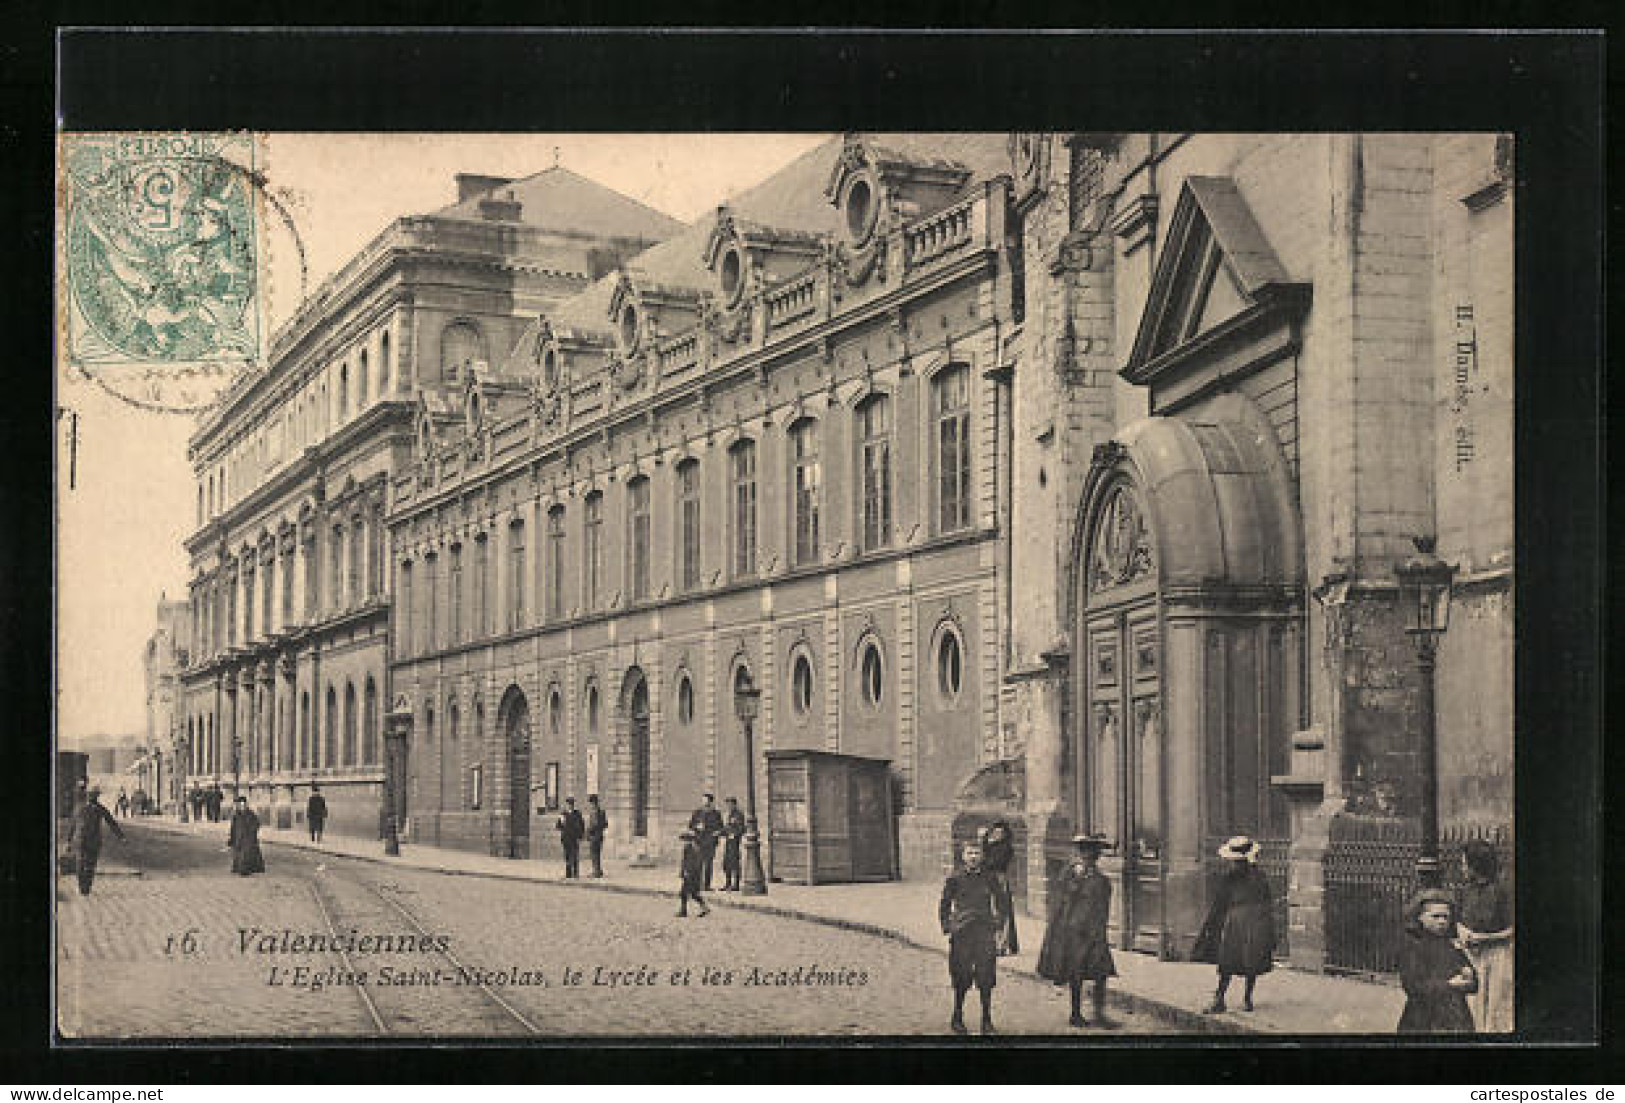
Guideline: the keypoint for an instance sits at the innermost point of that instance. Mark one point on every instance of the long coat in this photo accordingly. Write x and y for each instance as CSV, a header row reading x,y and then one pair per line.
x,y
1239,935
1075,946
1426,964
244,841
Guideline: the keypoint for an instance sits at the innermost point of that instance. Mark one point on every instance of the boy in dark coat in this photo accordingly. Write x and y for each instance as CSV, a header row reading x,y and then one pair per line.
x,y
1434,971
316,812
1239,934
571,828
87,837
693,873
1075,947
972,914
732,832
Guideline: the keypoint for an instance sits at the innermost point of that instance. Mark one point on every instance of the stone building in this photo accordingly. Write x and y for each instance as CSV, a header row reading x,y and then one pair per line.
x,y
162,660
289,603
770,445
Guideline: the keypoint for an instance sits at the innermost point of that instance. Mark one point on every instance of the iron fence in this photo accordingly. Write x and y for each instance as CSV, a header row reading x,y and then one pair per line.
x,y
1370,873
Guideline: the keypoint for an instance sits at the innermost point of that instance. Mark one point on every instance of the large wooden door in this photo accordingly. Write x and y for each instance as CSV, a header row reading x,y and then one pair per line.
x,y
518,737
639,738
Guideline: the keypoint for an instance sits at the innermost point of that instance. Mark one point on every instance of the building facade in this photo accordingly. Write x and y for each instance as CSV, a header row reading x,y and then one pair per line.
x,y
162,660
289,600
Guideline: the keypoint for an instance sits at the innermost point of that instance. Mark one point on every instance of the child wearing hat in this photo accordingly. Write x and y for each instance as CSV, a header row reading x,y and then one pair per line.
x,y
1075,946
693,874
1239,934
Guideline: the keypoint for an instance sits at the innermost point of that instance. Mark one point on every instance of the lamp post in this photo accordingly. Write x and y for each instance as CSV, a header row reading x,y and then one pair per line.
x,y
747,698
236,765
1424,583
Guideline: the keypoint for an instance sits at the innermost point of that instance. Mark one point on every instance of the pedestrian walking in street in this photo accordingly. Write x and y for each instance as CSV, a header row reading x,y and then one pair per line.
x,y
571,827
86,838
1075,947
1239,934
597,826
706,823
972,915
316,812
693,872
998,851
1434,971
217,800
733,830
1485,932
244,840
122,805
196,800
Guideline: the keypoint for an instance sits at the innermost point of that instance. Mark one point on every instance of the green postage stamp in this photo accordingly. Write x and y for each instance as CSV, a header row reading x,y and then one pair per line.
x,y
161,251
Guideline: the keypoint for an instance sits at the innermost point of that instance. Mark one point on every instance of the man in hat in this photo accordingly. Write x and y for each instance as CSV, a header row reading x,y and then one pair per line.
x,y
316,812
597,825
706,823
732,832
692,870
972,914
87,837
571,827
1075,947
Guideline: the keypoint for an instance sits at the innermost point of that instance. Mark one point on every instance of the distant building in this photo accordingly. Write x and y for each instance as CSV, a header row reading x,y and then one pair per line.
x,y
162,660
289,602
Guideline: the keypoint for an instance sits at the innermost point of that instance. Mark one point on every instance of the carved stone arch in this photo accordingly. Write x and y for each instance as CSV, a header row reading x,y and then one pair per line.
x,y
462,344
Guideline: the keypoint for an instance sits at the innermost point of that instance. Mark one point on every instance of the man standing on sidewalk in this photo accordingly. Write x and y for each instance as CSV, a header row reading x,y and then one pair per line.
x,y
316,812
706,823
971,917
693,868
597,825
732,832
571,827
87,837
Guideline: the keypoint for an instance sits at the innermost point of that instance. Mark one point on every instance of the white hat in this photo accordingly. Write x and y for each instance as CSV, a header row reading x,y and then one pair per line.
x,y
1240,847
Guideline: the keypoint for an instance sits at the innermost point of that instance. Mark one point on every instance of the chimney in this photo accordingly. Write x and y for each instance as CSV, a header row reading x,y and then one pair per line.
x,y
470,184
504,208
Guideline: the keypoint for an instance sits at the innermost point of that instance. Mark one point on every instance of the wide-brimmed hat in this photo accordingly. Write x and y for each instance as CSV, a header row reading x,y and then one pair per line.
x,y
1240,848
1095,841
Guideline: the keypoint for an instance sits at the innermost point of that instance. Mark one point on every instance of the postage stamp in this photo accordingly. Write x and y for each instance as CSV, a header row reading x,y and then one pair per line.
x,y
162,249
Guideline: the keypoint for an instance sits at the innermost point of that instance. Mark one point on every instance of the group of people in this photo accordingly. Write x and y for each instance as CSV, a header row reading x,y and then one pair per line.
x,y
206,803
707,827
85,838
133,804
572,827
1457,963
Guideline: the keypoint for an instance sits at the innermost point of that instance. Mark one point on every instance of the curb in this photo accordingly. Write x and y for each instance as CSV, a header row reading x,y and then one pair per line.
x,y
1193,1022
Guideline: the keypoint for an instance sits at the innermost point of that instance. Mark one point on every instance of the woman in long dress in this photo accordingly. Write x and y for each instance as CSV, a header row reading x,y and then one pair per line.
x,y
1239,935
1075,946
244,840
1485,932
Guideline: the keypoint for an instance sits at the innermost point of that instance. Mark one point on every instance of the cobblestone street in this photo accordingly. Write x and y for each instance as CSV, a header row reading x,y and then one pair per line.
x,y
128,968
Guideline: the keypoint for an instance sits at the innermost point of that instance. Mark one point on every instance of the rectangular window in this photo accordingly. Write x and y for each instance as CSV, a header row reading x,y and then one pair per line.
x,y
287,561
407,644
743,459
874,425
476,785
337,558
268,587
479,615
637,537
555,584
358,543
688,521
454,596
804,447
248,600
951,397
516,574
594,546
431,593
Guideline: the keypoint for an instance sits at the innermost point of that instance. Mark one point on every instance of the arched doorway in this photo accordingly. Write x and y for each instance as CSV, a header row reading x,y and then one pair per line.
x,y
514,719
635,696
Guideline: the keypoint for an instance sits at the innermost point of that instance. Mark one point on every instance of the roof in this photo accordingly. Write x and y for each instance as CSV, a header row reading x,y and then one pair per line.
x,y
791,199
558,199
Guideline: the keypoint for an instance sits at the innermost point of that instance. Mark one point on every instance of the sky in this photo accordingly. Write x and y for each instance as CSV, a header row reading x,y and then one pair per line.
x,y
120,526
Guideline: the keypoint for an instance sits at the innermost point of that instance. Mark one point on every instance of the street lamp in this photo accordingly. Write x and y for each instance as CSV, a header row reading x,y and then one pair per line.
x,y
1424,585
747,699
236,765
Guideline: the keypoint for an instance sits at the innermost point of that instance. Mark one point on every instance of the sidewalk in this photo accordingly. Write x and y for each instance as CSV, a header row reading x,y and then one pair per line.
x,y
1289,1002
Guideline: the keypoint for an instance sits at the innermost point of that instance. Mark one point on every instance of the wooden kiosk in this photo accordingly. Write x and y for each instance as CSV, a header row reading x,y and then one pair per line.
x,y
830,818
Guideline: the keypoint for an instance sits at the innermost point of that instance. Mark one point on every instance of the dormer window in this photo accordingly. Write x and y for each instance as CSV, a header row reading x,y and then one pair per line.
x,y
731,273
550,368
628,328
858,204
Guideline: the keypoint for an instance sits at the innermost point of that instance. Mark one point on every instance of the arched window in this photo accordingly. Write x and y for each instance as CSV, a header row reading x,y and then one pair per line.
x,y
330,735
688,525
349,724
358,544
451,795
555,712
801,685
304,731
454,595
431,596
480,614
742,465
516,574
872,675
592,709
950,402
685,699
555,563
344,392
403,634
637,537
460,345
361,377
805,478
593,548
950,666
336,554
874,471
369,724
384,366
